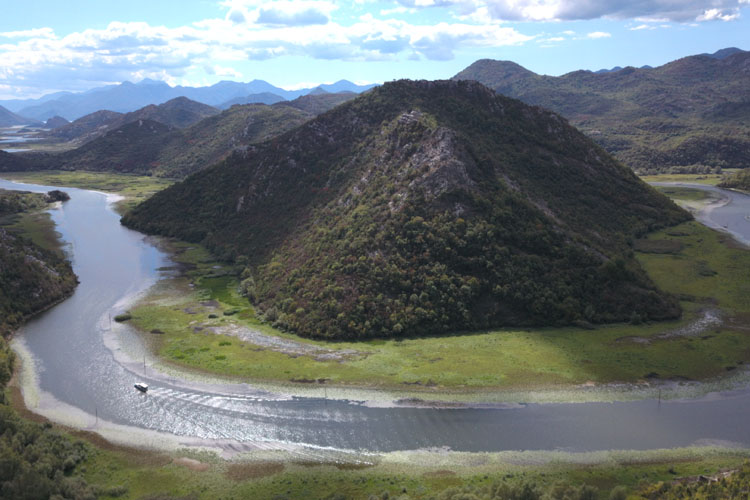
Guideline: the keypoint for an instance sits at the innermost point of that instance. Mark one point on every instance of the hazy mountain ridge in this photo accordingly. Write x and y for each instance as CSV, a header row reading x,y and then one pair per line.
x,y
650,118
127,97
425,207
10,119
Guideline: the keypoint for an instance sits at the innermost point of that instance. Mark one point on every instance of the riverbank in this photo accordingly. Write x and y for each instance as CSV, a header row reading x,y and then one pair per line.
x,y
263,469
131,189
199,328
192,332
124,471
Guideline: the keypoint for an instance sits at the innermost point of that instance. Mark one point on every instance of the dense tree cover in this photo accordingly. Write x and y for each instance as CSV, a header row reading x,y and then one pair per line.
x,y
13,202
528,491
739,180
732,486
425,207
31,278
10,162
693,111
38,462
319,103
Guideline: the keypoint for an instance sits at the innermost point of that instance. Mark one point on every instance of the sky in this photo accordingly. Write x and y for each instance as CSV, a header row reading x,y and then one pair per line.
x,y
75,45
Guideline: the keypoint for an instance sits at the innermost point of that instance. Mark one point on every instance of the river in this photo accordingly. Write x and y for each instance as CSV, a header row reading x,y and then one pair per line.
x,y
78,376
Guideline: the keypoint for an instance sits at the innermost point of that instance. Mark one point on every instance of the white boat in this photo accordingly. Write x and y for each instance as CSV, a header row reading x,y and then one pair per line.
x,y
141,386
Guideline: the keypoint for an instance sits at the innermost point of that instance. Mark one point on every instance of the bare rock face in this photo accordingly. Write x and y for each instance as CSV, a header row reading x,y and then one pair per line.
x,y
426,207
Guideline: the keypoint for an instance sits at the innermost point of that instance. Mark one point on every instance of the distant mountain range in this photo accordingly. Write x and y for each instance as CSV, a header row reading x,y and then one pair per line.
x,y
689,114
422,208
173,139
127,97
618,68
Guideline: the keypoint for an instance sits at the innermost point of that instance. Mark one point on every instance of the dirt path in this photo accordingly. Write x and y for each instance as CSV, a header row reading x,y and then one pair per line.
x,y
709,319
286,346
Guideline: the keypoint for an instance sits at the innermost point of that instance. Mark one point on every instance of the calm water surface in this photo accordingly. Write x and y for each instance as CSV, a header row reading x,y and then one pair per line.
x,y
76,367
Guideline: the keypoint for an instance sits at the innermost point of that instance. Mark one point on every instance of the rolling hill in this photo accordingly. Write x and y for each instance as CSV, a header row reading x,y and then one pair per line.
x,y
687,115
262,98
146,145
425,207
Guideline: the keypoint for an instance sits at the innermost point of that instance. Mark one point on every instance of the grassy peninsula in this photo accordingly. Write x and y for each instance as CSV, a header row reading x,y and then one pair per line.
x,y
201,327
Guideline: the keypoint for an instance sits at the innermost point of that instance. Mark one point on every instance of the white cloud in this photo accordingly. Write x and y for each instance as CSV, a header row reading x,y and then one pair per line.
x,y
280,12
643,27
599,34
223,71
718,14
135,50
34,33
567,10
397,10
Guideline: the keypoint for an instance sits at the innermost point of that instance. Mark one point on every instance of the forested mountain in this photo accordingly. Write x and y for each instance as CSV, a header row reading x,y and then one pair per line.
x,y
150,147
689,114
425,207
86,128
10,162
180,112
146,145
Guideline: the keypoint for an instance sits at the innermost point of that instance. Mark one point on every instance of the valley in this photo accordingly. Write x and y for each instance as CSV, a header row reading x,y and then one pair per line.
x,y
505,285
382,470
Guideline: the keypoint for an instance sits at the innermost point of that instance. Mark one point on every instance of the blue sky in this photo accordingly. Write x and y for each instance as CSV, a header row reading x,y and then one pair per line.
x,y
49,45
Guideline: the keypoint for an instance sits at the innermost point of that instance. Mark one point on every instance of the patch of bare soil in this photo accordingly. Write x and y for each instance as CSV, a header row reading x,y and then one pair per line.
x,y
338,465
286,346
739,321
243,471
709,319
192,464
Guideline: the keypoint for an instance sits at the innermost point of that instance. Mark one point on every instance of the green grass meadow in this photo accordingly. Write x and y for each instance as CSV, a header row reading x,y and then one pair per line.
x,y
706,271
133,188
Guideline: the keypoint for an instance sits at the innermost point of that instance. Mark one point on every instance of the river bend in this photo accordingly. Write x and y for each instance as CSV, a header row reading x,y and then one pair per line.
x,y
76,369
